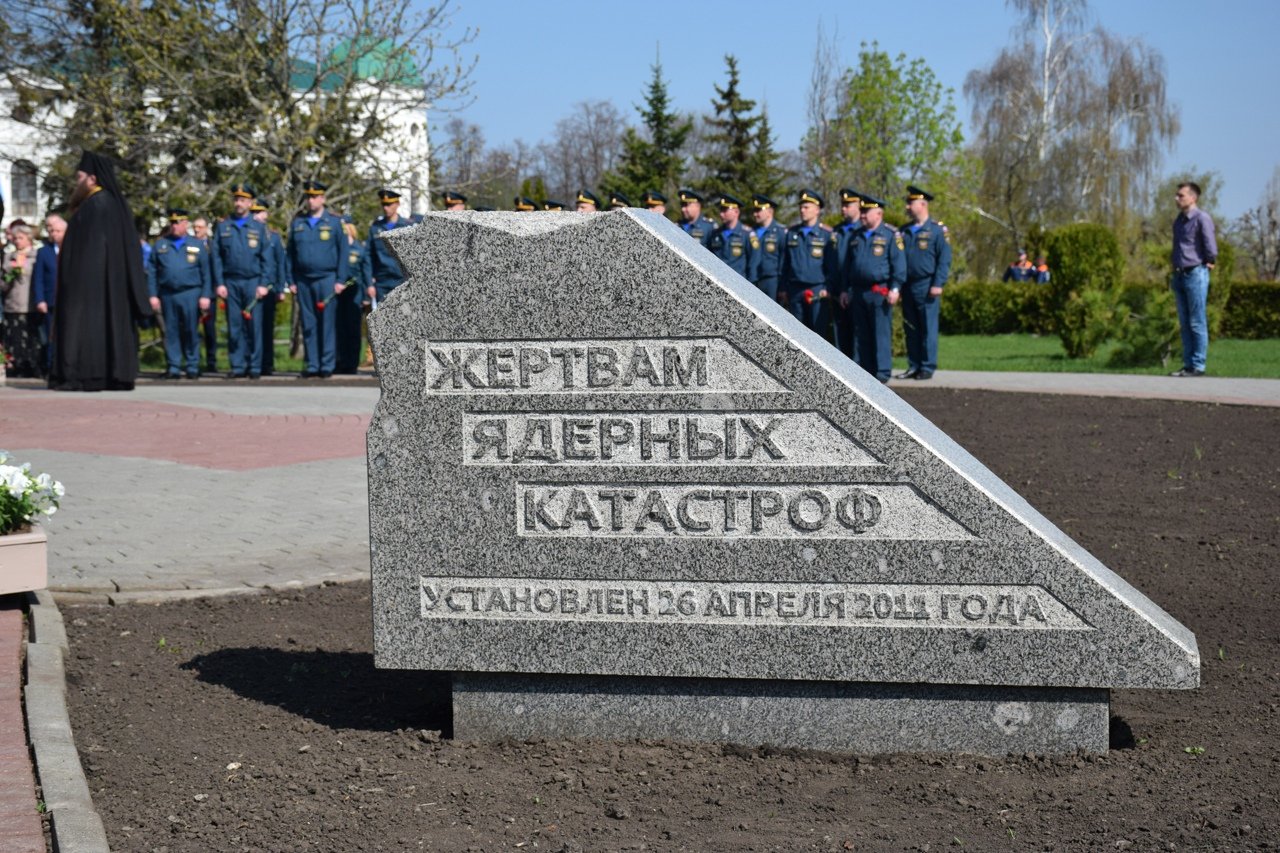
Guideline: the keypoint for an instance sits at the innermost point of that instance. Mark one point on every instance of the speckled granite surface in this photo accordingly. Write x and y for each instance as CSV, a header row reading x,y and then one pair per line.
x,y
600,452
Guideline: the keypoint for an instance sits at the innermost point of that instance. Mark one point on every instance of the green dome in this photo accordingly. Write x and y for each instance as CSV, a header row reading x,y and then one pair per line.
x,y
379,59
362,59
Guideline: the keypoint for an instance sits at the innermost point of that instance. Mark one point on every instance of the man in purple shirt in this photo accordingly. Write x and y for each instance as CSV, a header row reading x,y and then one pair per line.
x,y
1195,251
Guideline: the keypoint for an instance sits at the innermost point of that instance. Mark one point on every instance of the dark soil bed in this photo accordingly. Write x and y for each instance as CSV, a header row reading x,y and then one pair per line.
x,y
259,723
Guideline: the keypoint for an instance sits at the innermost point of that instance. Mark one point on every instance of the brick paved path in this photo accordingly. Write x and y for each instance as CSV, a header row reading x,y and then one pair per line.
x,y
198,488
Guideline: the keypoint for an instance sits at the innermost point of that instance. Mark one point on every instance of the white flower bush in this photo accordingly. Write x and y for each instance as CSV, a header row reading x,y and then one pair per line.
x,y
25,497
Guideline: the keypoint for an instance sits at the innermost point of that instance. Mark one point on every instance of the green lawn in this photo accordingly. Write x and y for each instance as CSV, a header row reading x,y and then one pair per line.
x,y
1044,354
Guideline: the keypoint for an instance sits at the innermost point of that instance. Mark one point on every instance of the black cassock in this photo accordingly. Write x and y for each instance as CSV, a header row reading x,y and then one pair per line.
x,y
102,293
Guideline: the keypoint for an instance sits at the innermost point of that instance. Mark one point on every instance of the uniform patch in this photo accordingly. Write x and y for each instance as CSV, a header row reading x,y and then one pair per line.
x,y
771,246
253,240
755,241
736,251
922,242
325,233
898,239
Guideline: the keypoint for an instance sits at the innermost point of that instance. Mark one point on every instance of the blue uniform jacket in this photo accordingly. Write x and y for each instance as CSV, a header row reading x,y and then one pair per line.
x,y
359,268
845,233
928,251
804,257
773,239
382,264
318,250
179,265
738,247
875,259
277,274
699,229
239,250
44,276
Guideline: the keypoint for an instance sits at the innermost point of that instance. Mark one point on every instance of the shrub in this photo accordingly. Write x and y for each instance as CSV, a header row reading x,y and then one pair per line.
x,y
1084,292
995,308
1220,287
1148,328
1253,310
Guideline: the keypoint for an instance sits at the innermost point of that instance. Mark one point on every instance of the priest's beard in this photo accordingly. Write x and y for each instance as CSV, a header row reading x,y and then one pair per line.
x,y
78,194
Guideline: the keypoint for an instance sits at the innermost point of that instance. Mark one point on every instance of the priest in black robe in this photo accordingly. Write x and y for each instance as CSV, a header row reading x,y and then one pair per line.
x,y
102,289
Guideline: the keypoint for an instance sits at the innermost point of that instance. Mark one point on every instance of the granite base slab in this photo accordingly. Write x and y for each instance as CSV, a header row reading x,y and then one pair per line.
x,y
864,718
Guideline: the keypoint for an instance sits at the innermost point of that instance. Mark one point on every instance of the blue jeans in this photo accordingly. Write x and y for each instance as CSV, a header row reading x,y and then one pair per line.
x,y
1191,290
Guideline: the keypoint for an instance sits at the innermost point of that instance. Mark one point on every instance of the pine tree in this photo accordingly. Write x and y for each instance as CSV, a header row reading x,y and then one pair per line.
x,y
651,160
733,137
765,173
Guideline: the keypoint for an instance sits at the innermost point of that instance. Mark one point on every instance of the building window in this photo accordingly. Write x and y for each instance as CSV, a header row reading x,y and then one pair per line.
x,y
25,188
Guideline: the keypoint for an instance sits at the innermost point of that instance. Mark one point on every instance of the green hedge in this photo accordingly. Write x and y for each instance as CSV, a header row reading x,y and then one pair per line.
x,y
1000,308
1253,310
996,308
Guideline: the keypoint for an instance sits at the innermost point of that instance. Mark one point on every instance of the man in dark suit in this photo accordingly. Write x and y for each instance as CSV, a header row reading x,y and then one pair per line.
x,y
45,274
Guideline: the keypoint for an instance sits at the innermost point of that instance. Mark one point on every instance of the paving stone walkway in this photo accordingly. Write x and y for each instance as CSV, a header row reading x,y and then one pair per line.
x,y
177,489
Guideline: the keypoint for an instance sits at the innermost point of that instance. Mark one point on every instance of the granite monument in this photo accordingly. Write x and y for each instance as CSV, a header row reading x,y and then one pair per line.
x,y
619,493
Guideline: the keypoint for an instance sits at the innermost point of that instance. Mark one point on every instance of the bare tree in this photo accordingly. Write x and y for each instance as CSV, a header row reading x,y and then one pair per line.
x,y
585,145
1257,233
822,108
1071,123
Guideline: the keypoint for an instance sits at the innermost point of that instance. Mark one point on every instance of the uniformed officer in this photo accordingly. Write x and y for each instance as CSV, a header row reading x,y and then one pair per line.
x,y
277,282
850,207
875,270
522,204
180,282
208,319
317,272
553,205
655,201
691,219
735,243
350,302
385,270
240,255
586,202
453,201
928,252
805,267
772,237
618,201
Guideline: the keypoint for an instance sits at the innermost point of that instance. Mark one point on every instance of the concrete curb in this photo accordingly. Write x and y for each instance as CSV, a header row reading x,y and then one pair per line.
x,y
76,826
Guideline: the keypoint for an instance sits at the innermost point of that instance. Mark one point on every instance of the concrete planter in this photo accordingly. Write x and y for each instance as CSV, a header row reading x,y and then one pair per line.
x,y
24,563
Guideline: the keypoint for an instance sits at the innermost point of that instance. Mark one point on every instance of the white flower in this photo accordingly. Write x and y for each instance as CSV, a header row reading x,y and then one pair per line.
x,y
14,479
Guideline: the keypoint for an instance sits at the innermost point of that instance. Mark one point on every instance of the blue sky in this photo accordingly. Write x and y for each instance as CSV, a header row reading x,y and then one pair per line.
x,y
537,59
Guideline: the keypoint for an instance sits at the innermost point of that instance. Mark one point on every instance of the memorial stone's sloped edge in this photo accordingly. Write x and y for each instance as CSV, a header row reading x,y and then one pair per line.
x,y
482,276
